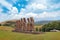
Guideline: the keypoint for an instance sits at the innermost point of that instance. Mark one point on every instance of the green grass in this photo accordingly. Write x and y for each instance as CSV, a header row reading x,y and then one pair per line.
x,y
9,35
6,35
52,36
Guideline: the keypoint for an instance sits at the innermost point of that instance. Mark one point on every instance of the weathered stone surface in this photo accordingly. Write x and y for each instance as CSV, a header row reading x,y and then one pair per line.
x,y
22,24
31,24
28,24
25,25
17,25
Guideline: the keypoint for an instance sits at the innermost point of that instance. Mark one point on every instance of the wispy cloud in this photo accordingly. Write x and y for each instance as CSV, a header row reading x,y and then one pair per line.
x,y
41,10
6,4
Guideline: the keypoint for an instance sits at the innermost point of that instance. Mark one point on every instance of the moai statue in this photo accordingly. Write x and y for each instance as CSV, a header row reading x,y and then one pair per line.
x,y
28,25
17,25
24,25
31,24
20,27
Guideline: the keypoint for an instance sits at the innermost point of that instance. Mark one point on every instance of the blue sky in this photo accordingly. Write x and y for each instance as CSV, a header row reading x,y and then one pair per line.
x,y
39,9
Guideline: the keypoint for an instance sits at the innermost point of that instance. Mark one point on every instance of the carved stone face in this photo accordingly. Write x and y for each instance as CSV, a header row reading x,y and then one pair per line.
x,y
21,19
25,24
24,19
31,19
28,19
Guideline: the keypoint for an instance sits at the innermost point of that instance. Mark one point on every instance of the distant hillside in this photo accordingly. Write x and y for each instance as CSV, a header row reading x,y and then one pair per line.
x,y
45,22
42,22
11,23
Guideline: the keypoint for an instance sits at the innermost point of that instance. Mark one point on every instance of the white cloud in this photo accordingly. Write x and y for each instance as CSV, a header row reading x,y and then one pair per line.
x,y
12,14
31,15
49,14
6,4
55,6
45,14
29,11
36,6
3,17
13,10
39,1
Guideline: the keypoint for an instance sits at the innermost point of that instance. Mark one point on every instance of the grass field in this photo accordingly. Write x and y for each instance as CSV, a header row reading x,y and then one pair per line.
x,y
9,35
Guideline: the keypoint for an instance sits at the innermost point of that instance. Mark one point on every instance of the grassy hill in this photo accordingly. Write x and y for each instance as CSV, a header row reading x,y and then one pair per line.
x,y
11,23
45,22
9,35
6,28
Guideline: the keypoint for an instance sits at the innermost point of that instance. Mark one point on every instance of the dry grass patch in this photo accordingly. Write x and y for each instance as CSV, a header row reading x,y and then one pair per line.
x,y
5,28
